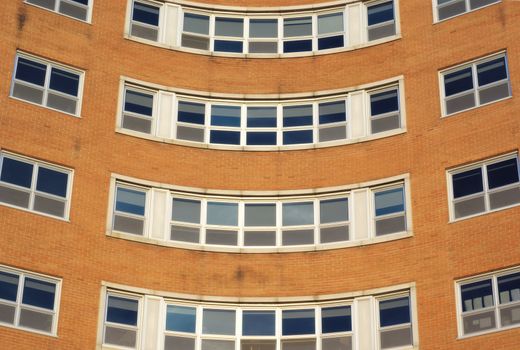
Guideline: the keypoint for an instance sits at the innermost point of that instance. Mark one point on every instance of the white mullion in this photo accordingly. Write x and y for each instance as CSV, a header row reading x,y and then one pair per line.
x,y
212,33
207,122
203,220
494,288
241,224
198,327
278,328
245,35
314,32
279,223
18,306
238,328
317,327
280,34
316,211
46,84
485,186
315,123
348,117
174,116
279,124
475,84
34,178
243,124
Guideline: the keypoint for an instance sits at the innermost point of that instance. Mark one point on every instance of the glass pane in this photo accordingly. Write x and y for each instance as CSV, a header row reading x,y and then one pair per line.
x,y
8,286
180,318
297,46
394,311
263,28
502,173
451,10
211,344
229,26
333,210
334,234
7,313
52,181
146,14
504,198
16,172
30,71
494,93
396,338
299,344
178,343
298,213
49,4
39,293
220,213
196,23
139,102
260,238
185,234
297,115
64,81
299,26
470,206
261,117
330,23
144,32
460,103
49,206
27,93
337,343
297,137
128,225
295,322
467,182
260,214
137,124
258,345
509,288
461,80
258,323
228,46
476,295
334,133
510,315
263,47
65,104
190,112
389,201
225,137
221,237
261,138
14,197
390,122
118,336
225,115
74,10
390,225
479,322
330,42
332,112
130,201
190,134
195,42
474,4
491,71
186,210
122,310
384,102
297,237
380,13
36,320
336,319
218,322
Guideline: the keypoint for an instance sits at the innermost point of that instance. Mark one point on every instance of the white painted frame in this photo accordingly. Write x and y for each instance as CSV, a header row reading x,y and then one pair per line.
x,y
89,8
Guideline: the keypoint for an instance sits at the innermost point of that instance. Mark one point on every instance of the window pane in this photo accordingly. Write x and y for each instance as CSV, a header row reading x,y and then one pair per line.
x,y
336,319
218,322
395,311
263,28
509,288
122,310
186,210
299,344
196,23
299,26
247,344
8,286
39,293
380,13
260,214
260,238
261,138
16,172
296,322
297,46
261,117
190,112
49,4
333,210
225,137
330,23
258,323
178,343
502,173
225,115
384,102
298,213
491,71
180,319
229,26
130,201
461,80
185,234
213,344
330,42
65,82
52,181
467,183
146,14
228,46
263,47
297,115
138,102
332,112
30,71
221,237
297,137
297,237
222,214
476,295
389,201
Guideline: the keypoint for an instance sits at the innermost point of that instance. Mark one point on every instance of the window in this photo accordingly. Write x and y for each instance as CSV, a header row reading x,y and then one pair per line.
x,y
489,302
28,301
78,9
330,31
450,8
196,31
38,187
138,110
47,84
190,121
395,325
475,84
485,187
129,210
229,32
381,20
297,33
390,210
145,20
384,110
263,35
121,322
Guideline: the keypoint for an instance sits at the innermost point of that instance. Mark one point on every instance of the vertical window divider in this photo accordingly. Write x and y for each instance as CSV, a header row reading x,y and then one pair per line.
x,y
486,186
279,223
245,36
207,122
243,124
203,220
212,33
317,240
314,28
280,34
315,122
34,179
496,301
241,224
174,117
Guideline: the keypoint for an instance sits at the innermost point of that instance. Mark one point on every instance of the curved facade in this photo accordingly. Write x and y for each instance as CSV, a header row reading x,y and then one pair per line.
x,y
259,175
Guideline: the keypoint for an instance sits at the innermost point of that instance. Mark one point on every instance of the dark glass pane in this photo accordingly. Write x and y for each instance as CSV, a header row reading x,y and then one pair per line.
x,y
8,286
476,295
130,201
39,293
186,210
229,26
225,115
180,319
395,311
263,28
297,137
146,14
196,23
30,71
16,172
258,323
228,46
330,42
509,288
261,117
299,26
502,173
52,181
380,13
225,137
122,310
467,183
491,71
389,201
84,2
384,102
296,322
190,112
297,46
332,112
461,80
65,82
297,115
333,210
336,319
138,102
261,138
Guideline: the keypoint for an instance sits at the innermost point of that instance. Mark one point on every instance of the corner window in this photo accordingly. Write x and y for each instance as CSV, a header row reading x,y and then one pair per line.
x,y
138,108
35,186
28,301
384,110
390,210
121,324
47,84
450,8
475,84
485,187
129,210
381,20
489,302
395,325
145,20
78,9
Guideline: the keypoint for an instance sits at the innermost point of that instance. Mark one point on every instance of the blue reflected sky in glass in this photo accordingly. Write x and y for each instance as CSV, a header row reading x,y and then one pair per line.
x,y
228,46
64,81
297,46
8,286
380,13
16,172
30,71
461,80
225,137
220,213
191,112
261,138
330,42
52,181
467,182
258,323
130,201
146,14
491,71
138,102
225,115
509,288
261,117
39,293
473,295
393,312
297,137
389,201
384,102
336,319
180,319
297,115
295,322
299,213
122,310
332,112
502,173
186,210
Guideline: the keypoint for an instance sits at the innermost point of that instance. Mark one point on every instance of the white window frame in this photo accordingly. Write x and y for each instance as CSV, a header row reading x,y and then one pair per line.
x,y
159,26
137,329
396,20
407,207
412,324
23,274
89,8
145,217
155,108
32,190
399,111
436,6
